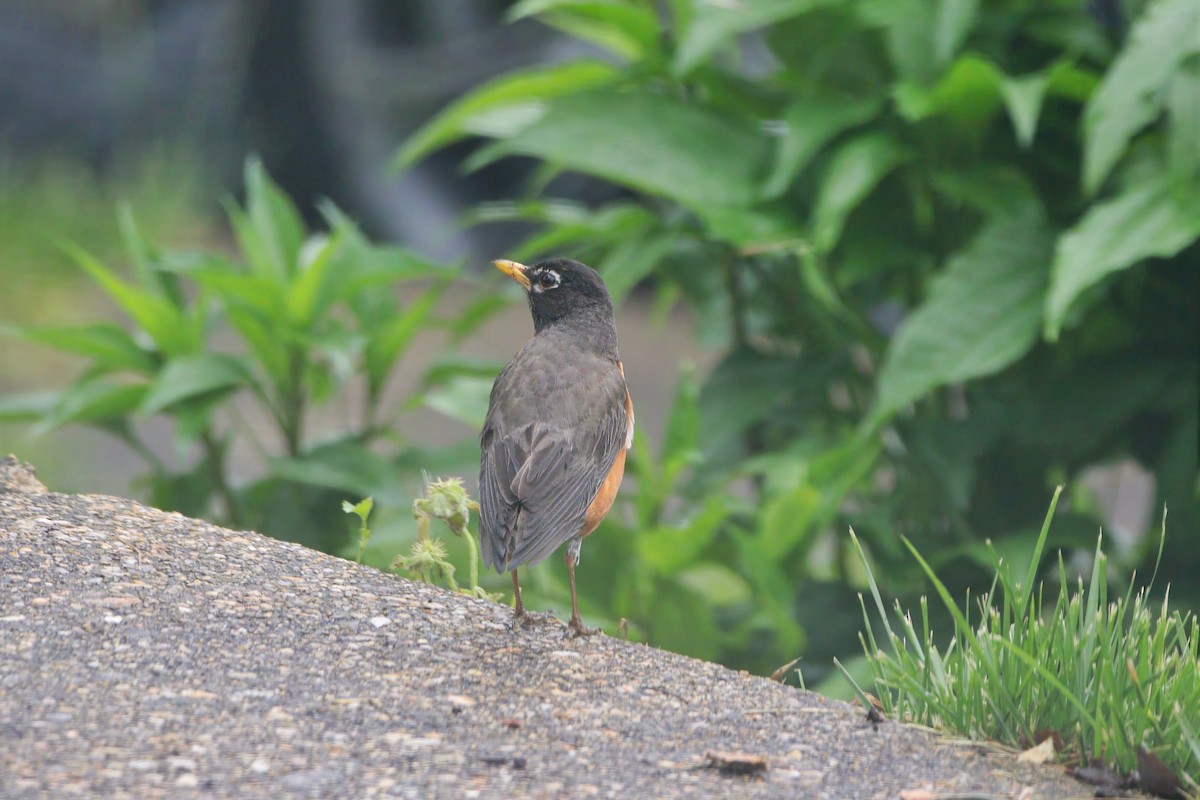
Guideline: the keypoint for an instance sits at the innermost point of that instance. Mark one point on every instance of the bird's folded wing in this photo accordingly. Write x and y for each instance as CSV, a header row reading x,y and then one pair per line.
x,y
537,482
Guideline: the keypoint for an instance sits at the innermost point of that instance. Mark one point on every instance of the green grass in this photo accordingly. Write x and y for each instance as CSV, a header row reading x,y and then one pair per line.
x,y
1105,673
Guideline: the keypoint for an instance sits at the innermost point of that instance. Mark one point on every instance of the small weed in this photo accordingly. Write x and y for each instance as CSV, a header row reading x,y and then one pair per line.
x,y
447,500
362,510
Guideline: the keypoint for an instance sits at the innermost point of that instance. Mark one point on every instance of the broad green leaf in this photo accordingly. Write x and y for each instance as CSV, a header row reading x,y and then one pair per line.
x,y
625,265
528,90
648,142
786,519
274,218
92,402
233,289
191,377
448,369
853,171
991,189
719,585
1023,98
464,399
755,231
811,124
628,29
982,313
1071,81
108,346
1151,219
27,406
712,25
615,223
968,94
953,22
163,322
1132,94
668,548
908,27
1183,133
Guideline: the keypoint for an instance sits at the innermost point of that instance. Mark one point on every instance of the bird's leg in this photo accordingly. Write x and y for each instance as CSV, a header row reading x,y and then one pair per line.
x,y
572,558
518,606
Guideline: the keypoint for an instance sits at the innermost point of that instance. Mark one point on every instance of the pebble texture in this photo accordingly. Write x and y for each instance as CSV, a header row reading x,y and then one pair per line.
x,y
144,655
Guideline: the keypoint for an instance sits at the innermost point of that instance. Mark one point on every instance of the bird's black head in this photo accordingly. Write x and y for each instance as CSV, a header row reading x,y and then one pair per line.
x,y
561,289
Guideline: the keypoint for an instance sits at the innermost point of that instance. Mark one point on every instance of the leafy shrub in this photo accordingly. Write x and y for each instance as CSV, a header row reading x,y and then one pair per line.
x,y
948,250
250,348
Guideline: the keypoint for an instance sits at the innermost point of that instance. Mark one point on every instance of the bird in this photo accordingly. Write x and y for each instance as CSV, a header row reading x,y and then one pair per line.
x,y
559,424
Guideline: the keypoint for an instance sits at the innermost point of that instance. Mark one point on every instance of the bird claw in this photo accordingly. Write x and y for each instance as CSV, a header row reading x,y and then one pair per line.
x,y
577,629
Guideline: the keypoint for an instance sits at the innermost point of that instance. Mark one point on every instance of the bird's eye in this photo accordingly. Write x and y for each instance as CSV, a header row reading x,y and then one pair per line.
x,y
548,280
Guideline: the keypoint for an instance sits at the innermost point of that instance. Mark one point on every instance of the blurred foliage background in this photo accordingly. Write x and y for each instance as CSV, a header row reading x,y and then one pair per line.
x,y
935,257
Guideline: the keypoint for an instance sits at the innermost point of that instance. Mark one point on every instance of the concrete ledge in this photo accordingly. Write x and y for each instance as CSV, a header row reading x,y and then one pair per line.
x,y
144,654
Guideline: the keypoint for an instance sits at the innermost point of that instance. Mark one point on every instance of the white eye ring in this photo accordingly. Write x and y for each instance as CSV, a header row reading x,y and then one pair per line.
x,y
547,279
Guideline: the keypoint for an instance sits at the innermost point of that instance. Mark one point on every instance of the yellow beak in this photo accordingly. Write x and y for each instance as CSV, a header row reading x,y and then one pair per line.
x,y
513,270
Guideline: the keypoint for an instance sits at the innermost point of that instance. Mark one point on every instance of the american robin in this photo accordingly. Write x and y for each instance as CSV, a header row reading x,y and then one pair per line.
x,y
558,426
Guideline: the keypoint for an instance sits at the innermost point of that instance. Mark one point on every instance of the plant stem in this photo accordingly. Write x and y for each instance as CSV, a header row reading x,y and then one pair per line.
x,y
472,559
215,453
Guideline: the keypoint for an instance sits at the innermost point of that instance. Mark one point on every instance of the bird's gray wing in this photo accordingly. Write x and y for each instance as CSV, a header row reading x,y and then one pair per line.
x,y
538,480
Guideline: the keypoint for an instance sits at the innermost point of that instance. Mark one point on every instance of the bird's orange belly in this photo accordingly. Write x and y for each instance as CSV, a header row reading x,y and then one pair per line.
x,y
605,497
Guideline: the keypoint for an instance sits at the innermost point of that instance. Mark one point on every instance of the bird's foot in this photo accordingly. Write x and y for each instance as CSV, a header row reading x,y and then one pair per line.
x,y
577,629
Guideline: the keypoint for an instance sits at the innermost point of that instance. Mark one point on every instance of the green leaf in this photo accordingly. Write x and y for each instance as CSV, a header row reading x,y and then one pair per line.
x,y
1148,220
191,377
27,406
719,585
310,293
110,347
1023,98
668,548
853,171
786,519
1131,96
274,219
463,398
346,465
390,340
811,124
569,226
262,339
628,29
1183,135
710,26
648,142
757,230
162,321
982,313
953,22
631,260
92,402
968,94
526,92
681,439
908,27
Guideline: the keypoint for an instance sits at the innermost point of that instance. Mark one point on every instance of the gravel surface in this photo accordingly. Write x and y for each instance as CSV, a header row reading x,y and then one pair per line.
x,y
144,654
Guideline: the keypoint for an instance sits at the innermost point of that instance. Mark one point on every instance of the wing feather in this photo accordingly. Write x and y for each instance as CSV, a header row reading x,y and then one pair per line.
x,y
537,480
